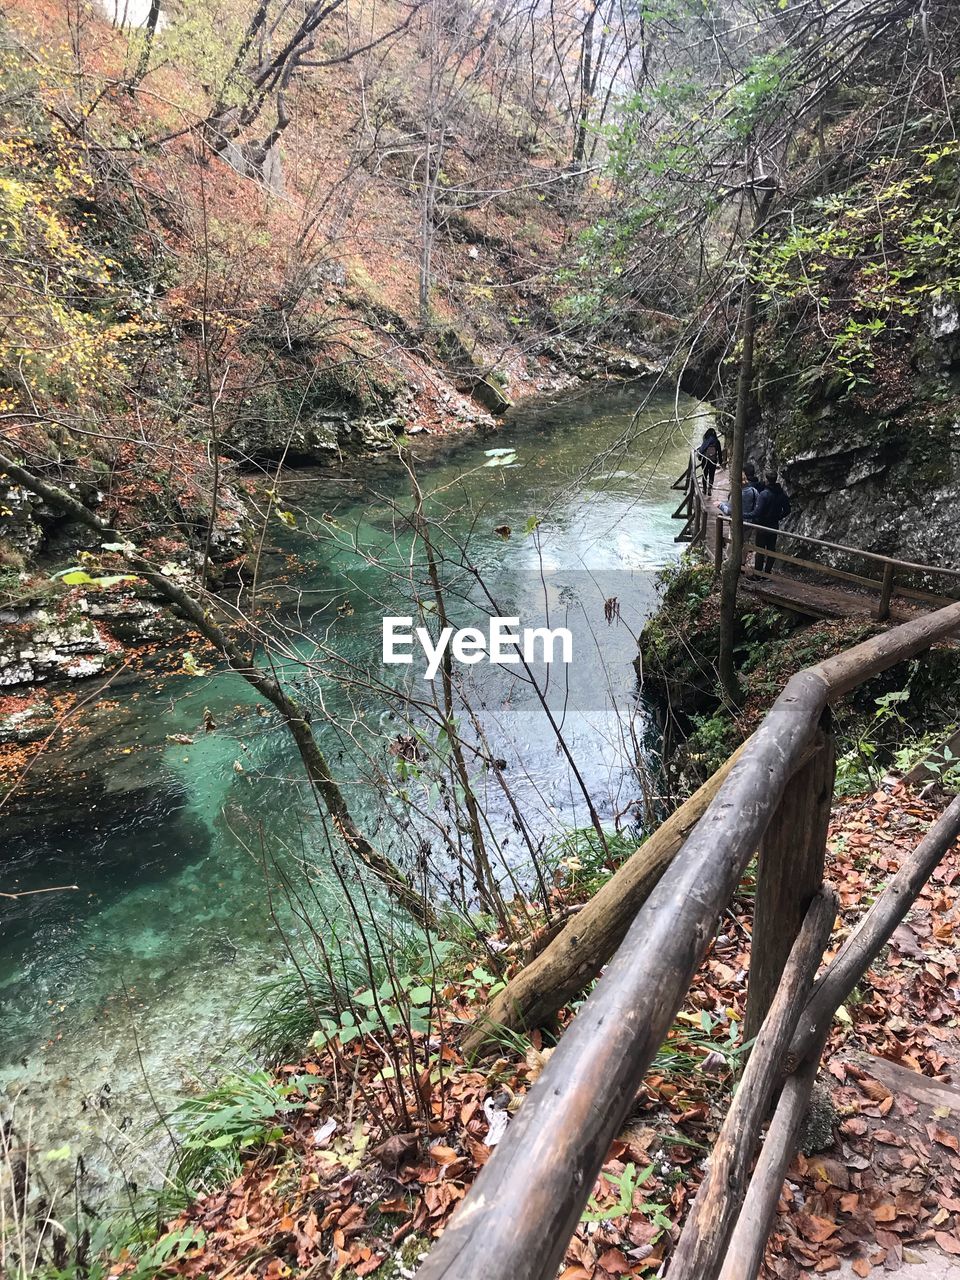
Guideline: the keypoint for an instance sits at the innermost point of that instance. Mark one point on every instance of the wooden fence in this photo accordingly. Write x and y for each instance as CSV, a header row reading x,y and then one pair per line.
x,y
884,576
517,1220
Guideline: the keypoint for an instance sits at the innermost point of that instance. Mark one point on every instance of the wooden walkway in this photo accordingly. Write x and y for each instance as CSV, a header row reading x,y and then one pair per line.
x,y
883,589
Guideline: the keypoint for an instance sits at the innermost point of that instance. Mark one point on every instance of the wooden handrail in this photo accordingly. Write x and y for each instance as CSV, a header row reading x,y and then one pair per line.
x,y
518,1218
907,566
525,1205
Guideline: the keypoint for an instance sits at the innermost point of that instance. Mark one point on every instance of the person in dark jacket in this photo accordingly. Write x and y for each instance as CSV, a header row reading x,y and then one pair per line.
x,y
711,457
773,505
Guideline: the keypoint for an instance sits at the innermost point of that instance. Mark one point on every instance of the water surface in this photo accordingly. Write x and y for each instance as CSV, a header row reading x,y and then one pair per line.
x,y
147,970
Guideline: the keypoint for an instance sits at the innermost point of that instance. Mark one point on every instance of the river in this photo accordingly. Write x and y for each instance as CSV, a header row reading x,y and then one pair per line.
x,y
137,986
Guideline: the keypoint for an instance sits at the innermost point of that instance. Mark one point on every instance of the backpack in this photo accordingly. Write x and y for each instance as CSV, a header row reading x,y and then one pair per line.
x,y
781,505
710,450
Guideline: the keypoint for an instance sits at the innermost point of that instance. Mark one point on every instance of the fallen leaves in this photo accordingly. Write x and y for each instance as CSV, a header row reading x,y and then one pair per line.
x,y
342,1193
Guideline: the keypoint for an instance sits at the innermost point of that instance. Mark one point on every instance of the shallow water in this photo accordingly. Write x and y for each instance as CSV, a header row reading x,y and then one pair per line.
x,y
122,993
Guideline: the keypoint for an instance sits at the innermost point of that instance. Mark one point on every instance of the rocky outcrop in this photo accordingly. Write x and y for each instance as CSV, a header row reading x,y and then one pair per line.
x,y
53,629
76,638
323,436
634,359
883,475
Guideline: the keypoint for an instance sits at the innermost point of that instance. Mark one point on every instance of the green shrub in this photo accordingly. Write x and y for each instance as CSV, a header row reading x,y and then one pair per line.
x,y
218,1129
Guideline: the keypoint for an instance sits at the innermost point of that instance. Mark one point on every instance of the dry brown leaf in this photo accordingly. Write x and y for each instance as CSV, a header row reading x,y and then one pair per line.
x,y
614,1261
874,1089
887,1138
944,1137
442,1155
814,1228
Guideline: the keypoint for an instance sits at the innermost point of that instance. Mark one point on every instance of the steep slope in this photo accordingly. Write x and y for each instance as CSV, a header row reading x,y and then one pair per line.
x,y
859,375
206,272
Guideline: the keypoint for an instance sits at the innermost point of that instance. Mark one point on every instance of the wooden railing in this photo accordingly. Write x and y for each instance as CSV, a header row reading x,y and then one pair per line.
x,y
517,1220
893,576
693,505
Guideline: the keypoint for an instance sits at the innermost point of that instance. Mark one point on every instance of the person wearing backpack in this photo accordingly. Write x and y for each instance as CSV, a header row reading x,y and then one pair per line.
x,y
749,497
710,453
773,505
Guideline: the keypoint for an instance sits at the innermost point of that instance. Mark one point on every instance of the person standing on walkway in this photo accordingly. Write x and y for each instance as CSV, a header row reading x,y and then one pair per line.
x,y
710,453
749,495
773,505
749,500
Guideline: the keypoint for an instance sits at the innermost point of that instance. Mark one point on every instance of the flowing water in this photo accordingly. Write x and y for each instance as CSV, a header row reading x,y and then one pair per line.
x,y
128,990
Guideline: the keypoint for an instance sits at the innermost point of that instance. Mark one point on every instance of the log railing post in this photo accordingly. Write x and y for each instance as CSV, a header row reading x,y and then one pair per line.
x,y
886,593
789,873
702,1246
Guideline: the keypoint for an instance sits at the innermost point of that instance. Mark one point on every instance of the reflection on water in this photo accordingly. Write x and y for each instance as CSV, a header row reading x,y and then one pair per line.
x,y
180,851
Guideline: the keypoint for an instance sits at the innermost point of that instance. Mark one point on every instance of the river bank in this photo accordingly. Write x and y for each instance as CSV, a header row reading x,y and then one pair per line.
x,y
353,1152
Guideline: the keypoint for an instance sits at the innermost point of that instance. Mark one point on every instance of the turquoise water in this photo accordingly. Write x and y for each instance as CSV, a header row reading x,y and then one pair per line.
x,y
124,991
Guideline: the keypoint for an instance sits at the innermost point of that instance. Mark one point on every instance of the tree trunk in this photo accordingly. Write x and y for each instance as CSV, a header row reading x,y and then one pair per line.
x,y
153,19
588,940
731,570
586,80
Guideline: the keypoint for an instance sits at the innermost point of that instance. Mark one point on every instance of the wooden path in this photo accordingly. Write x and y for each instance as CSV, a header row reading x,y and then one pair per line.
x,y
814,577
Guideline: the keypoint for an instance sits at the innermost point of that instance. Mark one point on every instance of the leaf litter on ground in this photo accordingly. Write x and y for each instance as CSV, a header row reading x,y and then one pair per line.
x,y
359,1179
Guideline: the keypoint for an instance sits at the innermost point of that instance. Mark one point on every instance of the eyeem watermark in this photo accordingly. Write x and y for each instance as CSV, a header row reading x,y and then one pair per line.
x,y
500,645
